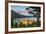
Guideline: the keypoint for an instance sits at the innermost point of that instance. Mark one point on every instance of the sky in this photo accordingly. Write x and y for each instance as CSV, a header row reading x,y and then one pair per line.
x,y
22,10
17,8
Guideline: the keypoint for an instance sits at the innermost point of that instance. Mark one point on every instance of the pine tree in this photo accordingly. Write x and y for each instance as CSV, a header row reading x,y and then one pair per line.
x,y
16,25
11,22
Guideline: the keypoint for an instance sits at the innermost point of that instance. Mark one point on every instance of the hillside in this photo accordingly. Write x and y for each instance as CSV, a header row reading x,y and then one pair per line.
x,y
17,15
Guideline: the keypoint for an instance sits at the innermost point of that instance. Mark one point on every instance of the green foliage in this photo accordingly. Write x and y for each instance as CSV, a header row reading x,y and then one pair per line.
x,y
11,22
21,25
16,25
35,24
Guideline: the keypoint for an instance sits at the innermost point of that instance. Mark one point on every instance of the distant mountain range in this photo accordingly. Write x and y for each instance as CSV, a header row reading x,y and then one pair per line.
x,y
17,15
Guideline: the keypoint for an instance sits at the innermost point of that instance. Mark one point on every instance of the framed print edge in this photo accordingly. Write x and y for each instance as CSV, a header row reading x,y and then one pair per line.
x,y
6,16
